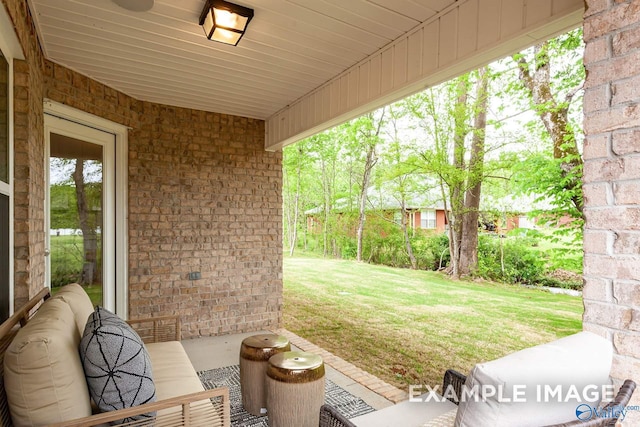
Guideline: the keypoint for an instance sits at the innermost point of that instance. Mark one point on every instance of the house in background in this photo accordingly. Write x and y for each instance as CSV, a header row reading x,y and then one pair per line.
x,y
423,212
426,211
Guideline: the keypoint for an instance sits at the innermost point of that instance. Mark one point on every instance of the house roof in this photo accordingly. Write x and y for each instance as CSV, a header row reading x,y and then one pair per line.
x,y
303,65
386,200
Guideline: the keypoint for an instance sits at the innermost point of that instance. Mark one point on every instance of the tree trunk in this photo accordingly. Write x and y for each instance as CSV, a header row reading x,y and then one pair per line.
x,y
89,235
469,243
296,208
457,195
362,202
327,210
407,240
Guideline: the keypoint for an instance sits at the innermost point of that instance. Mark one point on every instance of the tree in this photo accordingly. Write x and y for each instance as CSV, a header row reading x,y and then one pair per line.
x,y
295,161
324,148
88,226
468,247
446,114
399,175
76,203
551,76
364,137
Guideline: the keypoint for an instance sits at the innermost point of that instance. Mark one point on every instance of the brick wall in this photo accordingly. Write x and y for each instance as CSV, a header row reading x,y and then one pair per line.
x,y
28,157
612,181
204,196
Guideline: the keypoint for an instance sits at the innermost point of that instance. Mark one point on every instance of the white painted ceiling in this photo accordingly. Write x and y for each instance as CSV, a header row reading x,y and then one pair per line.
x,y
291,47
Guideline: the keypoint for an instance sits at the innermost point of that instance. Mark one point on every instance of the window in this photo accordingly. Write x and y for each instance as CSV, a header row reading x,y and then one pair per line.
x,y
428,219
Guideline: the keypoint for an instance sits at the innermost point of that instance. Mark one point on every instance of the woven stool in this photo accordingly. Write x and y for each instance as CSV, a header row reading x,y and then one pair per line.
x,y
295,389
255,352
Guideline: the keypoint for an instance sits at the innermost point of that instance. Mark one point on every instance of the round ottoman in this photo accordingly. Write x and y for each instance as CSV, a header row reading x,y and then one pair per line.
x,y
255,352
295,389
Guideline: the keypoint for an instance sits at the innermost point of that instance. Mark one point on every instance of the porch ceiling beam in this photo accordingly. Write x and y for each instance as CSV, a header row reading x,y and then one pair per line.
x,y
465,36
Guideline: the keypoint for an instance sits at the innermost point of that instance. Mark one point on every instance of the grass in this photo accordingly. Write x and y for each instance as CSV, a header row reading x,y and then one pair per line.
x,y
66,265
408,327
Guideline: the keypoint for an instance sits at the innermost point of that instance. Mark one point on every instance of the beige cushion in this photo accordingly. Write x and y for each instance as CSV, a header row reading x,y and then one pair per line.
x,y
43,375
576,361
173,373
79,301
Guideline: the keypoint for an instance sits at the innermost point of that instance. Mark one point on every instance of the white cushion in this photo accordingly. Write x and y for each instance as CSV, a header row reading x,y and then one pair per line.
x,y
569,364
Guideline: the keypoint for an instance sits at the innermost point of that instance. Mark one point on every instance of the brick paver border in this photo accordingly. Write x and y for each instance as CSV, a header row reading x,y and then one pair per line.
x,y
364,378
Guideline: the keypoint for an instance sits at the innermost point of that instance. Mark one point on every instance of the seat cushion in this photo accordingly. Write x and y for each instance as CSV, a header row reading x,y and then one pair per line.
x,y
540,385
116,364
80,303
173,373
44,379
172,370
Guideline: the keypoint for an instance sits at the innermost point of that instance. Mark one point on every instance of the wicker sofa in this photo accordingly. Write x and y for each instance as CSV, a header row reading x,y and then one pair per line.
x,y
42,380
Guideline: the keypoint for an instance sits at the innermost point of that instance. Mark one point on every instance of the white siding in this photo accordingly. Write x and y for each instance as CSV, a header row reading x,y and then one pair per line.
x,y
464,36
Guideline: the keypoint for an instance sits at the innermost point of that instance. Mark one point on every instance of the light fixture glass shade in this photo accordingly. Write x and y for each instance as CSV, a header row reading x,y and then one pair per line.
x,y
225,22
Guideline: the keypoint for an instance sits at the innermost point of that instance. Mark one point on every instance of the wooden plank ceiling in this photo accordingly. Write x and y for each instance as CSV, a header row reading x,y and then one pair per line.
x,y
162,55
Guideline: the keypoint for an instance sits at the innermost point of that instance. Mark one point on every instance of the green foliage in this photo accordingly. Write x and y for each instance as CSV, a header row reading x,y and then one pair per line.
x,y
542,176
521,263
421,157
66,260
433,250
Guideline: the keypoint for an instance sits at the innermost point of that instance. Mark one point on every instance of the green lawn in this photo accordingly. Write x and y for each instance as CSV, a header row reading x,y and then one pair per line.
x,y
408,327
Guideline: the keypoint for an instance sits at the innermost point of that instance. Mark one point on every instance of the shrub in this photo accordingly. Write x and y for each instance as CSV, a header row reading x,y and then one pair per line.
x,y
510,261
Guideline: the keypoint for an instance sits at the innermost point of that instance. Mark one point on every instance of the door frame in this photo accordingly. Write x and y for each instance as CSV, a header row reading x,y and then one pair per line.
x,y
121,251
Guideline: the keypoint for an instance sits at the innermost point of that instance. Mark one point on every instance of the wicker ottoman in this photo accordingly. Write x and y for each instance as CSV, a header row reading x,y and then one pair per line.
x,y
255,352
295,389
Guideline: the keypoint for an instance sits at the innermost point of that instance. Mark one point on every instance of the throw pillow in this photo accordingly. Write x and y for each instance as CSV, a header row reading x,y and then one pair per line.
x,y
116,364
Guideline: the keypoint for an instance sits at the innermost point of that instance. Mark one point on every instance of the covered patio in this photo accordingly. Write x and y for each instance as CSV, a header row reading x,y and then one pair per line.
x,y
197,128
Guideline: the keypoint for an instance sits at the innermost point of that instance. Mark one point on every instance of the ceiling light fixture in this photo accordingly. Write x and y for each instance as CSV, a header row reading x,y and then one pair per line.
x,y
225,22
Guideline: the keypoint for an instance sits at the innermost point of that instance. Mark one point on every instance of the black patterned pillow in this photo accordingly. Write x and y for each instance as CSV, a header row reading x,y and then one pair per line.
x,y
116,364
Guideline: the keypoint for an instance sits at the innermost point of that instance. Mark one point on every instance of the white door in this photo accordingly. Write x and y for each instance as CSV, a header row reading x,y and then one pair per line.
x,y
80,207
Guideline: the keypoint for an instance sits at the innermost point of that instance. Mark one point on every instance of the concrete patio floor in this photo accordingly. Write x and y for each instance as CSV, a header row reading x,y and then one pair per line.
x,y
391,404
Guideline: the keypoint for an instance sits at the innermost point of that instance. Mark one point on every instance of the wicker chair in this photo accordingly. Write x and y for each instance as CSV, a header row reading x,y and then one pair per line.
x,y
329,417
456,380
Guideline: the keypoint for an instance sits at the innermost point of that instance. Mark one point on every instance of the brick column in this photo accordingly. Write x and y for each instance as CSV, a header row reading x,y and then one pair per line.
x,y
612,182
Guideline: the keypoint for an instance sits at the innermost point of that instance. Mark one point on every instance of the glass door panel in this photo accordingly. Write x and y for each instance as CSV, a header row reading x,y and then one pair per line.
x,y
81,209
76,214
